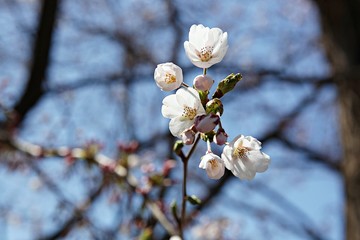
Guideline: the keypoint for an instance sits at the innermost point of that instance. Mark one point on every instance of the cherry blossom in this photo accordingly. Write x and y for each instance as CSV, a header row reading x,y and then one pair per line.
x,y
213,165
182,108
243,157
168,76
206,46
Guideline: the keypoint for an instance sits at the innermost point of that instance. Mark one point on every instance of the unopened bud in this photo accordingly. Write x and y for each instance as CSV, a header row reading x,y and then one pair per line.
x,y
221,137
203,82
227,84
188,136
214,106
206,123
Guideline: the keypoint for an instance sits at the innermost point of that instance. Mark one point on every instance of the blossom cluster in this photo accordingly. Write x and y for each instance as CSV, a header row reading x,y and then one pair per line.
x,y
193,114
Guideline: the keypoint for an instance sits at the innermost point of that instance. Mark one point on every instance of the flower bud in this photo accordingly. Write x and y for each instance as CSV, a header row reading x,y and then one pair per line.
x,y
188,136
214,106
221,137
227,84
203,82
206,123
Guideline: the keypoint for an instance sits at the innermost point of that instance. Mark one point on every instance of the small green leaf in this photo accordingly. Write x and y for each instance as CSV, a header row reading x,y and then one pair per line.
x,y
178,145
173,207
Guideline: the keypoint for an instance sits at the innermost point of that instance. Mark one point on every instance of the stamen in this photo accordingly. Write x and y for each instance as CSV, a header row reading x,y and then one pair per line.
x,y
205,53
189,112
240,152
170,78
213,163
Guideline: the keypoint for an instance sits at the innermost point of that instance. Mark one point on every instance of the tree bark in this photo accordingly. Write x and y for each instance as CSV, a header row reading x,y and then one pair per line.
x,y
341,37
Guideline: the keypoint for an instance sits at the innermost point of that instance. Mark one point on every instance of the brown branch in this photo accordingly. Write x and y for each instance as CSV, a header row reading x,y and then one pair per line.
x,y
40,59
77,215
312,155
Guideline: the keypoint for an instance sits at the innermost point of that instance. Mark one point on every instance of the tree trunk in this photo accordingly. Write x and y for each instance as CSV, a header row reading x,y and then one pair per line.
x,y
341,37
349,98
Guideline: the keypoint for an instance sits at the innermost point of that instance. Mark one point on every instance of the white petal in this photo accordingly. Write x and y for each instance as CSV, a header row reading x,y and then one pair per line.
x,y
196,35
214,36
221,47
243,171
251,143
168,86
170,107
202,163
226,157
190,51
178,125
232,143
259,160
217,172
188,97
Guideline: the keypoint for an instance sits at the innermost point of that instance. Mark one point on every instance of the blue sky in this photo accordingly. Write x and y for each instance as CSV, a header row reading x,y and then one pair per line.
x,y
277,35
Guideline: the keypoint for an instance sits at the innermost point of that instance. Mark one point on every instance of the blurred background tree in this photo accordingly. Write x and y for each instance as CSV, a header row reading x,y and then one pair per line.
x,y
76,87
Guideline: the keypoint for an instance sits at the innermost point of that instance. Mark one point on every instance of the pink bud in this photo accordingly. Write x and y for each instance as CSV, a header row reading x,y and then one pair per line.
x,y
188,136
206,123
203,82
221,137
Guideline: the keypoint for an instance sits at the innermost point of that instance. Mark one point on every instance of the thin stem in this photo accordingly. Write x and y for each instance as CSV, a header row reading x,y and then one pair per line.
x,y
185,161
184,195
208,146
184,85
204,71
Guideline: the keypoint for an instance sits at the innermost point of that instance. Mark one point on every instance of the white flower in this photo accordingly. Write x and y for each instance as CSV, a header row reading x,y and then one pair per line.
x,y
213,165
243,157
182,108
168,76
206,46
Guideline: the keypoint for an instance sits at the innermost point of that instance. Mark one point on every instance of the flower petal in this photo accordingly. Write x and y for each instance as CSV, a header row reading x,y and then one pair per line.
x,y
190,51
216,172
259,160
243,169
170,107
188,97
196,34
221,47
227,159
178,125
251,143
